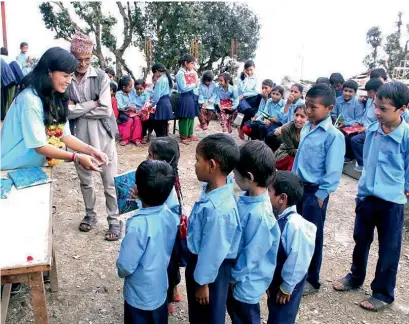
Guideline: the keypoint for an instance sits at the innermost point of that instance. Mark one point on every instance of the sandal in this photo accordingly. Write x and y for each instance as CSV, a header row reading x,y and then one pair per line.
x,y
377,304
115,230
346,283
123,143
87,223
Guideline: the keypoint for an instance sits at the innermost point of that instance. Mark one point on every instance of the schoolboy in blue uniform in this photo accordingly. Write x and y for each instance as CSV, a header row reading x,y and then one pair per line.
x,y
214,231
319,163
147,246
254,268
382,193
295,249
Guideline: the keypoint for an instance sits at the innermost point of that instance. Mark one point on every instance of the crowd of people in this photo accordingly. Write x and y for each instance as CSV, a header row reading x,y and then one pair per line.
x,y
270,239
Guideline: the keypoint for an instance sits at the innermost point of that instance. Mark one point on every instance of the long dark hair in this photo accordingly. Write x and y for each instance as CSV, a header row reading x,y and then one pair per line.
x,y
124,82
167,149
158,67
186,58
55,104
247,64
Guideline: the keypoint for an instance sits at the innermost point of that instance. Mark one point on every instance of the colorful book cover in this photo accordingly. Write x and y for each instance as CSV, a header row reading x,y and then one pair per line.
x,y
190,78
124,183
353,129
5,187
24,178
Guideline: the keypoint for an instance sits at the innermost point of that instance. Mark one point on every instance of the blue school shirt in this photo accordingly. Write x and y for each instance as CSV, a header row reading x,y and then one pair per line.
x,y
213,231
161,89
132,99
144,256
24,130
257,259
273,109
298,239
248,86
405,116
289,117
320,157
231,94
386,164
207,94
369,114
181,82
22,60
351,111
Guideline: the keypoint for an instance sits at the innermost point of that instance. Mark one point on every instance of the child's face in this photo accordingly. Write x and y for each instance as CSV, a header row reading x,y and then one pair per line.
x,y
386,113
140,89
276,96
275,200
208,83
155,77
265,90
24,49
316,110
128,88
371,94
300,118
222,82
189,66
348,93
112,93
110,76
295,92
242,182
202,167
250,70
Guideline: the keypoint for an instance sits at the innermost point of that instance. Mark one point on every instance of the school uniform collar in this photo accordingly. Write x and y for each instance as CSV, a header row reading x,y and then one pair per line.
x,y
279,103
148,210
253,199
325,124
397,134
186,71
342,100
217,196
288,210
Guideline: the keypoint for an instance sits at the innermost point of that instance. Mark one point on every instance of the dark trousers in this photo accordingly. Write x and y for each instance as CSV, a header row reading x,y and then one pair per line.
x,y
242,313
146,127
348,150
387,217
287,313
215,311
160,127
134,315
312,212
357,148
273,141
248,114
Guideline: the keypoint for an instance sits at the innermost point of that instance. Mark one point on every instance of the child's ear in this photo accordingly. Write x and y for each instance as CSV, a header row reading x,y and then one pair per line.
x,y
283,198
212,164
330,108
250,176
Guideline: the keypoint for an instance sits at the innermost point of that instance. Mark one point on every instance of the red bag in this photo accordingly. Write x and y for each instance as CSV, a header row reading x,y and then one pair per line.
x,y
226,104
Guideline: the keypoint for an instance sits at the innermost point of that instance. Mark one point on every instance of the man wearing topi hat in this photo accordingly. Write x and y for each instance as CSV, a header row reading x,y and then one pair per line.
x,y
92,120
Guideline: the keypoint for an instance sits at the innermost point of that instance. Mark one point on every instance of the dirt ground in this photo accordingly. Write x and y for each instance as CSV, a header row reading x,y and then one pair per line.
x,y
91,293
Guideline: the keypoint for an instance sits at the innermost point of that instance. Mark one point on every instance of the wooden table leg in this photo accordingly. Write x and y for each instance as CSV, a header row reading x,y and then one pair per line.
x,y
38,297
5,298
53,273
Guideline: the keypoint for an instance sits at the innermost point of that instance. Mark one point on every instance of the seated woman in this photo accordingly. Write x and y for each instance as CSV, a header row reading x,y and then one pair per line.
x,y
290,136
36,129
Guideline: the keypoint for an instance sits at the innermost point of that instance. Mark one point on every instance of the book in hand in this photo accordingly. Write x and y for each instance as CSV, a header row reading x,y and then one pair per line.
x,y
353,129
24,178
124,183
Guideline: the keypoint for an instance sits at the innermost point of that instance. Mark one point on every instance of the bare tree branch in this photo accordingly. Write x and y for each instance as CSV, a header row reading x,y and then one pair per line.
x,y
73,23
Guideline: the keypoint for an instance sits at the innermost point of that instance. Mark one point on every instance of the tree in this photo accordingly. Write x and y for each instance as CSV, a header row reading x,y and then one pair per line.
x,y
172,27
373,38
57,18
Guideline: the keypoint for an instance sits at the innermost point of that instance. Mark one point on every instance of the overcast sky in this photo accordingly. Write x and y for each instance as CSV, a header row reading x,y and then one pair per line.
x,y
327,36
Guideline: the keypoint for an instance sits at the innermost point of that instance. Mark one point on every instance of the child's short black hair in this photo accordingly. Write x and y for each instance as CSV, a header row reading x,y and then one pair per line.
x,y
268,83
23,44
207,76
396,92
139,82
110,71
323,91
378,73
336,78
323,80
223,149
113,87
373,84
227,77
279,89
290,184
299,86
351,84
154,180
257,158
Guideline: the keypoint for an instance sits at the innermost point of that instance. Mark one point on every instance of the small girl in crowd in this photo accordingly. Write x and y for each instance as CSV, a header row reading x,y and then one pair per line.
x,y
227,99
248,94
294,100
187,109
270,114
207,99
160,100
114,103
290,136
129,123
